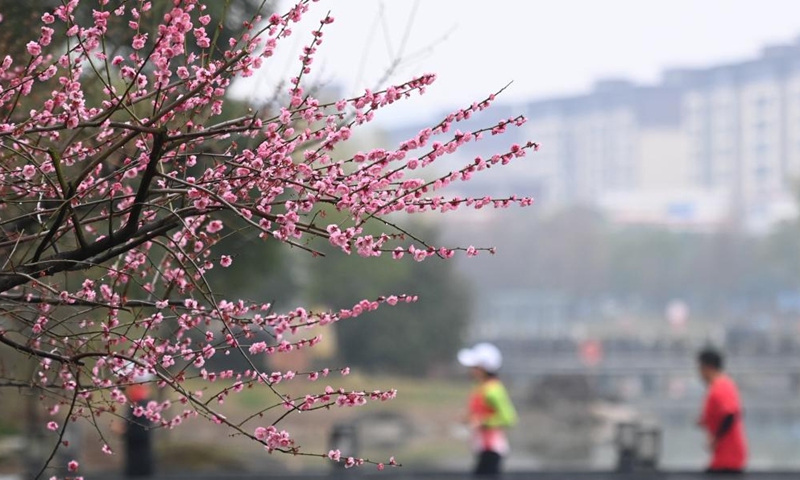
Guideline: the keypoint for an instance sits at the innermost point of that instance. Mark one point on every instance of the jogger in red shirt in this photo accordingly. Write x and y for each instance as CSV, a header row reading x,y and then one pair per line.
x,y
722,416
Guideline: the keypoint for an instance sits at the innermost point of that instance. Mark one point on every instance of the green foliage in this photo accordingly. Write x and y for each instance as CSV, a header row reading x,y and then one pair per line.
x,y
407,338
261,270
22,19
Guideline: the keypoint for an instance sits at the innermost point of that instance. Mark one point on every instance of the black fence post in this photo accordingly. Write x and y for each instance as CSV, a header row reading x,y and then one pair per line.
x,y
638,447
344,437
648,448
625,441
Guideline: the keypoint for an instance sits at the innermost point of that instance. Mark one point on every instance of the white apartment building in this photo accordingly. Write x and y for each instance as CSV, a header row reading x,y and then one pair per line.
x,y
619,148
704,147
743,125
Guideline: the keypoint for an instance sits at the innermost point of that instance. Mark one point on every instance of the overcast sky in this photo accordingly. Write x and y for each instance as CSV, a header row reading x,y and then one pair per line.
x,y
547,48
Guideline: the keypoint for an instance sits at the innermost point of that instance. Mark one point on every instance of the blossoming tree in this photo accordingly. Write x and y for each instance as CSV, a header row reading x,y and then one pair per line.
x,y
119,174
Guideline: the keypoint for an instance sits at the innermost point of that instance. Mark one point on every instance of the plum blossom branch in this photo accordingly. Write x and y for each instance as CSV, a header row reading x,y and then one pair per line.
x,y
123,172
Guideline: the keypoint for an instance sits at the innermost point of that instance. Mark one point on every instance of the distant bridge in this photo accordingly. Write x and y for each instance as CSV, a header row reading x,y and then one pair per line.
x,y
640,363
768,381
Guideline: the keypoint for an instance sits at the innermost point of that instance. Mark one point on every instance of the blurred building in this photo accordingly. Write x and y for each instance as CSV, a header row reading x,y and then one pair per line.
x,y
742,122
611,140
703,148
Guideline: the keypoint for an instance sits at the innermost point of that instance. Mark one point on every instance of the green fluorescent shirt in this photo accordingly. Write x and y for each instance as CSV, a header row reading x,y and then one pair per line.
x,y
504,415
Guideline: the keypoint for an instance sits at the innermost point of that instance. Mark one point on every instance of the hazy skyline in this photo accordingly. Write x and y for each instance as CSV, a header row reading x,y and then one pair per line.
x,y
547,48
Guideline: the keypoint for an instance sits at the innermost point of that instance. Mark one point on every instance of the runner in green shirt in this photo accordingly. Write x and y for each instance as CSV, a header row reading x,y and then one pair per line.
x,y
490,409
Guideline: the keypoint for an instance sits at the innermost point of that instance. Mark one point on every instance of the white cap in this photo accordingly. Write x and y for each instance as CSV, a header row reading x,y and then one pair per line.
x,y
482,355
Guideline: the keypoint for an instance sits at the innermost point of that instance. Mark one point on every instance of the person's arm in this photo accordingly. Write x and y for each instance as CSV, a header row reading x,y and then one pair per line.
x,y
504,413
119,426
725,425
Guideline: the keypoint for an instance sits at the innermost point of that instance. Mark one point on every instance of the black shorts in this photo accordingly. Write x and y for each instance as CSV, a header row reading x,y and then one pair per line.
x,y
488,463
724,471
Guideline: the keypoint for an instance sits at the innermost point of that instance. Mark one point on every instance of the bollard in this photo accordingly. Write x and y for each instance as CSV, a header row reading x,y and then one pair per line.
x,y
648,448
344,437
626,438
638,447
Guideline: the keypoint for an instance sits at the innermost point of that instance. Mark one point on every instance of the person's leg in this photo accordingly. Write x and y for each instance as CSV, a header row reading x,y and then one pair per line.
x,y
724,471
488,463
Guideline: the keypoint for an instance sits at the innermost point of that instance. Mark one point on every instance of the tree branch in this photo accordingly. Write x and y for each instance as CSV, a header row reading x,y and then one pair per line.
x,y
63,427
79,302
33,351
144,186
15,383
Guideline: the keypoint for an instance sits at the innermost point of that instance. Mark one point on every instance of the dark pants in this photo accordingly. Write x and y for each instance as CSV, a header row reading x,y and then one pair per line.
x,y
488,463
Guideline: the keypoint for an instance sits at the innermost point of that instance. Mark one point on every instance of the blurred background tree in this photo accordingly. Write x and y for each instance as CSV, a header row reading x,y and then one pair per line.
x,y
411,338
585,257
22,19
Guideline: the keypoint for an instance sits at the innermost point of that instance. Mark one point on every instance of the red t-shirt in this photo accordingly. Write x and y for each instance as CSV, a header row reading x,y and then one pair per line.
x,y
722,399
